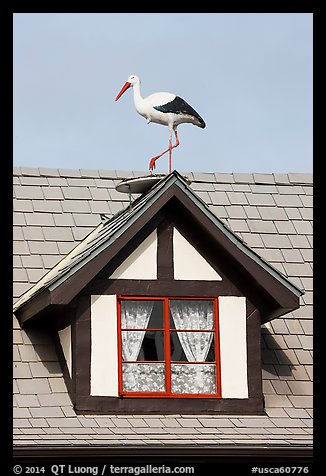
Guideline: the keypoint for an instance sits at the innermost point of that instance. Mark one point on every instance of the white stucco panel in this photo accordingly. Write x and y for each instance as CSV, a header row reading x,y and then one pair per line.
x,y
141,263
104,346
189,263
65,341
233,346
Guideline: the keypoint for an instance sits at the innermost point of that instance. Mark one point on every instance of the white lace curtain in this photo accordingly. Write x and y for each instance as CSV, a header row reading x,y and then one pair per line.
x,y
186,377
196,315
134,315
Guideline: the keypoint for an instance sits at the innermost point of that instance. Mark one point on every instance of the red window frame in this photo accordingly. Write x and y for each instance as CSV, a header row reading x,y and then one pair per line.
x,y
167,348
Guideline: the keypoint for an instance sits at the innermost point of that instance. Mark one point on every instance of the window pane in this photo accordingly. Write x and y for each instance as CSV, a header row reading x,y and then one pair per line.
x,y
142,345
191,314
211,353
193,378
152,347
177,352
136,314
194,345
156,319
143,377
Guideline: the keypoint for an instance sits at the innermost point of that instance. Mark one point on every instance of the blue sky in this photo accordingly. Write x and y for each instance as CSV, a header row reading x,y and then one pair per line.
x,y
249,75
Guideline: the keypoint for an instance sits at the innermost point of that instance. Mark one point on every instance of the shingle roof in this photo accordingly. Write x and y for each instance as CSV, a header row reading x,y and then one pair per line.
x,y
56,209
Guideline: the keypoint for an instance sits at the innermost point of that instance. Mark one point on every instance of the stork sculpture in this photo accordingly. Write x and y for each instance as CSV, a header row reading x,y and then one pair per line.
x,y
162,108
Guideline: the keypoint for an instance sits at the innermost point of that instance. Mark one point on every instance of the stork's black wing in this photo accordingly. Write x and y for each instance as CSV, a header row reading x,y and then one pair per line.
x,y
180,106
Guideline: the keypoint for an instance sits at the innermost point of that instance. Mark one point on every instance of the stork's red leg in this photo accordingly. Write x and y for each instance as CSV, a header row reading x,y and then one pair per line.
x,y
170,160
177,142
153,160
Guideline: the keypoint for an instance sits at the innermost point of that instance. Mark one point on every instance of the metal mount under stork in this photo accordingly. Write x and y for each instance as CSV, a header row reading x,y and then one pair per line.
x,y
140,185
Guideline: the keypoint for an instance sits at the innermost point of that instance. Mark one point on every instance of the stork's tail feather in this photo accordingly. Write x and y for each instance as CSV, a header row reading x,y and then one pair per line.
x,y
199,121
202,123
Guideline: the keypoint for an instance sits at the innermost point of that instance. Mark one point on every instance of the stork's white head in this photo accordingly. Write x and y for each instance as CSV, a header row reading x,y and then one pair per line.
x,y
131,81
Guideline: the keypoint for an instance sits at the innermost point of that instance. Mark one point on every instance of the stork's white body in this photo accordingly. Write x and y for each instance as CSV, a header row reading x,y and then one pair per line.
x,y
162,108
146,108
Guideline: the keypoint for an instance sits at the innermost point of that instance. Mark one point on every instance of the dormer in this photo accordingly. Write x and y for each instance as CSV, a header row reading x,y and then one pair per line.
x,y
160,309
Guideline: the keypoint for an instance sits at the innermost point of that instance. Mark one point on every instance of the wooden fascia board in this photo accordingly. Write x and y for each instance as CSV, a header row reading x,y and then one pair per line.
x,y
278,313
33,307
233,238
284,296
67,290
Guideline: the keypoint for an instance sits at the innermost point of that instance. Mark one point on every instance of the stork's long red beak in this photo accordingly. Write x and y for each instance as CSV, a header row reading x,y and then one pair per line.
x,y
124,88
